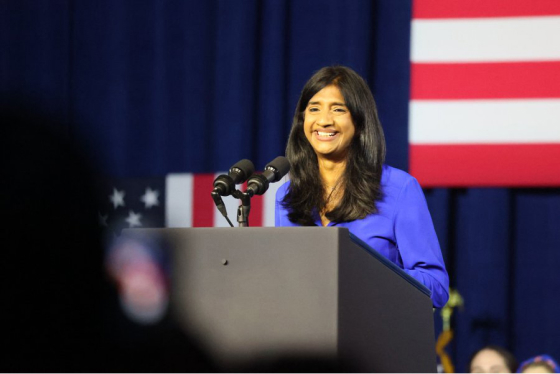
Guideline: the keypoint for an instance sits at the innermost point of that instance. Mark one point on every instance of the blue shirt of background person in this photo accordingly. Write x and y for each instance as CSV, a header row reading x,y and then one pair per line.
x,y
336,150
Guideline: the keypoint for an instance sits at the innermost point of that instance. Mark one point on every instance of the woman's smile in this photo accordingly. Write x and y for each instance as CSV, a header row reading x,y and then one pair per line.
x,y
325,136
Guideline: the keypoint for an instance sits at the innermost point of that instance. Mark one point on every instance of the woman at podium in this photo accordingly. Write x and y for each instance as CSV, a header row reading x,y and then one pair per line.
x,y
336,149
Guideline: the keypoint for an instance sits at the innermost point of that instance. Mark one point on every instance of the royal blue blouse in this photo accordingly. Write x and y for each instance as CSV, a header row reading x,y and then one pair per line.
x,y
402,231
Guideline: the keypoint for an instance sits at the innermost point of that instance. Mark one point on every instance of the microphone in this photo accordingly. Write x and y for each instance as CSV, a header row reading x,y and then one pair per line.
x,y
273,172
224,184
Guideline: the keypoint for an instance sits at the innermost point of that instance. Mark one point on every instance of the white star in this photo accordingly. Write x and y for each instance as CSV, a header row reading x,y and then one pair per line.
x,y
117,198
150,198
133,219
102,219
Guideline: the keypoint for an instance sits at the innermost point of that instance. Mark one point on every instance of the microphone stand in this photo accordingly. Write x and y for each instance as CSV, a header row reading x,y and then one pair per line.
x,y
244,208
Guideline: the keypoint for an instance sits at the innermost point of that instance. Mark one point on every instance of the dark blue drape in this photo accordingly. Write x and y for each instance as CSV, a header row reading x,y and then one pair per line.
x,y
152,87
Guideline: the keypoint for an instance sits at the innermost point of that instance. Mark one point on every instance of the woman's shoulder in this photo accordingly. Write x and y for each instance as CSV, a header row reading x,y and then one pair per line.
x,y
399,187
392,177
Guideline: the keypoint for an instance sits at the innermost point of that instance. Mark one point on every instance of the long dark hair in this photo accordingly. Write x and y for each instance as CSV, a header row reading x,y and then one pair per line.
x,y
362,176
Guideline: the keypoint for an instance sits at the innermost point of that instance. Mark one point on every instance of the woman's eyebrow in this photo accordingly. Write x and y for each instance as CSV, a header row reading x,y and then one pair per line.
x,y
318,102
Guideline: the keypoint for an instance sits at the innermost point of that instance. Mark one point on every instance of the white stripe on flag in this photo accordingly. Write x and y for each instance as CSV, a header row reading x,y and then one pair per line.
x,y
486,39
485,121
178,200
269,203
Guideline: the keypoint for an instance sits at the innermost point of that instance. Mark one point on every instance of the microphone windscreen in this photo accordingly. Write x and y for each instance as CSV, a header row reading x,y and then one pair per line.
x,y
246,166
281,165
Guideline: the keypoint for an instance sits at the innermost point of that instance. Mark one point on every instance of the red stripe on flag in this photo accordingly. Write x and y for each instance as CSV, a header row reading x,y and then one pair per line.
x,y
486,165
257,206
203,205
483,8
256,215
485,80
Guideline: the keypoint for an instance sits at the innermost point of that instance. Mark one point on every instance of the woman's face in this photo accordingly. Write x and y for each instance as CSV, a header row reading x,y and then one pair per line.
x,y
328,124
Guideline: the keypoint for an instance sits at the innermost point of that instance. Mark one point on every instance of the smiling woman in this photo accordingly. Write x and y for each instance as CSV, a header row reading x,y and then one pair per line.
x,y
336,150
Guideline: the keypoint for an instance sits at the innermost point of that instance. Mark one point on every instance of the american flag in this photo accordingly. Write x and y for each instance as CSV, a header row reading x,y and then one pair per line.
x,y
178,200
188,203
130,203
485,93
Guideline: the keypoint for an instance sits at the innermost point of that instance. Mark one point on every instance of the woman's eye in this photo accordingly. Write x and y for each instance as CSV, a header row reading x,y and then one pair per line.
x,y
340,110
313,109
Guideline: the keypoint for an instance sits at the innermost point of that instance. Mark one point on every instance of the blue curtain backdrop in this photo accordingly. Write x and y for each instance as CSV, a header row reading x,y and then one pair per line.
x,y
152,87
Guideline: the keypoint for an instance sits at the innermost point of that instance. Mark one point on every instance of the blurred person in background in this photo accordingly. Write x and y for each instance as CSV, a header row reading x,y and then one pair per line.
x,y
492,359
539,364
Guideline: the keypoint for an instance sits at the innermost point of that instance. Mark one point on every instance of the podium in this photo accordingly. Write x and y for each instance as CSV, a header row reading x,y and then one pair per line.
x,y
260,293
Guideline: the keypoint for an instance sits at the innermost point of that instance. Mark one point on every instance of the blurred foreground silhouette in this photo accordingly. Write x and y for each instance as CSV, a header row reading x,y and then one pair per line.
x,y
59,311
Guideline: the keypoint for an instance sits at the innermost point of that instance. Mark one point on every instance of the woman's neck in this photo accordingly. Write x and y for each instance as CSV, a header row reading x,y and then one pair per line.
x,y
331,172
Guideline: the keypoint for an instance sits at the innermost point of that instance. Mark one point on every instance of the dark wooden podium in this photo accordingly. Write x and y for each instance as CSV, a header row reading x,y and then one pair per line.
x,y
255,293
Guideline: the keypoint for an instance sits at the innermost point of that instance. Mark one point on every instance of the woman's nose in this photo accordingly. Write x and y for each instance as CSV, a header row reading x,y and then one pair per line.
x,y
325,119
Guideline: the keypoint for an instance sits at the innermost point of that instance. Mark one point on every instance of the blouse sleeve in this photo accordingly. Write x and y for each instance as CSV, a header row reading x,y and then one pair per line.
x,y
418,244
